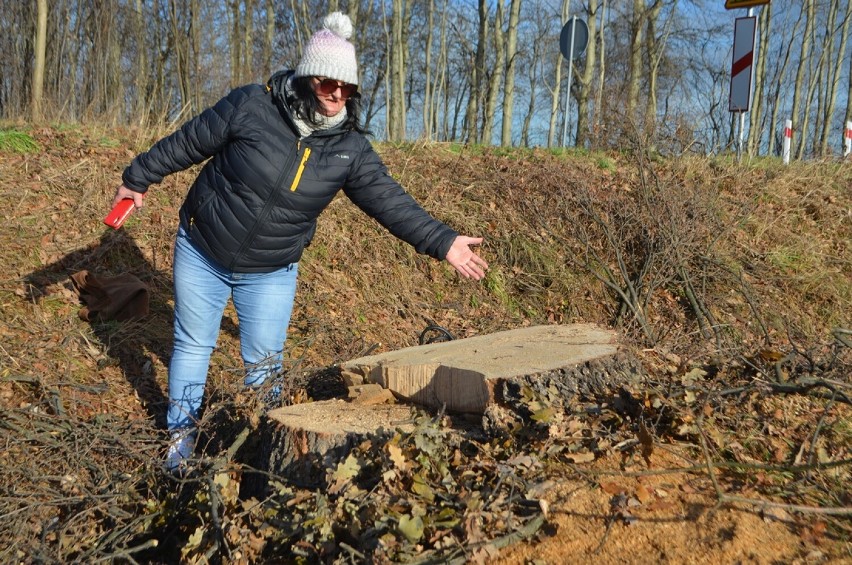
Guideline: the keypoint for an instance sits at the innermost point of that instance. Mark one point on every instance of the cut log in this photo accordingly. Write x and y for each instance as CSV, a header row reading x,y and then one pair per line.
x,y
304,441
521,370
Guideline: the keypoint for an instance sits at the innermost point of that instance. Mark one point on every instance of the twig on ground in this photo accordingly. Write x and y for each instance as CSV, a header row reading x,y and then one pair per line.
x,y
126,553
826,510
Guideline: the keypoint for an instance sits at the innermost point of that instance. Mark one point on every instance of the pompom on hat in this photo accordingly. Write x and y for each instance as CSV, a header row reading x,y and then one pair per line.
x,y
328,54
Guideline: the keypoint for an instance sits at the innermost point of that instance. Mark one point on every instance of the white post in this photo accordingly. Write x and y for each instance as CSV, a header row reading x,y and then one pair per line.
x,y
848,139
788,134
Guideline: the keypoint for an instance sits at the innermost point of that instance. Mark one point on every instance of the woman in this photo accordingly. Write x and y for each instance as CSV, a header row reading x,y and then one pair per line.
x,y
278,154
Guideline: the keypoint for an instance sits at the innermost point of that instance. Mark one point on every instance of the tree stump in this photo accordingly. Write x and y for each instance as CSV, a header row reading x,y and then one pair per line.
x,y
304,442
506,376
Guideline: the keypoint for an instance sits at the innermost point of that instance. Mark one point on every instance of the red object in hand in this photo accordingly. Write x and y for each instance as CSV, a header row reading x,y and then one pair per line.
x,y
119,213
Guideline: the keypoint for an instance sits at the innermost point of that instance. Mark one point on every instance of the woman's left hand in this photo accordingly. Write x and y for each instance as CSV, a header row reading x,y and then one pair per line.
x,y
464,260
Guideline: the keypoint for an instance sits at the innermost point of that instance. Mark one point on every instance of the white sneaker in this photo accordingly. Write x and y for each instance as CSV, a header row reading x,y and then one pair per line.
x,y
181,446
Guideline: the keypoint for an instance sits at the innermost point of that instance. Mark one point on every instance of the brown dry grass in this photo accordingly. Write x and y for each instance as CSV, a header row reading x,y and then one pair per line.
x,y
766,249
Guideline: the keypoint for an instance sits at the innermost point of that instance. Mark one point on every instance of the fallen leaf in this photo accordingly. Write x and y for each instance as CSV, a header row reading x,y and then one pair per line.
x,y
643,494
398,458
583,457
661,505
411,527
647,442
611,488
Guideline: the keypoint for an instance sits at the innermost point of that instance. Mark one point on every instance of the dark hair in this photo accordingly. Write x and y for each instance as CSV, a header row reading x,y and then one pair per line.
x,y
307,106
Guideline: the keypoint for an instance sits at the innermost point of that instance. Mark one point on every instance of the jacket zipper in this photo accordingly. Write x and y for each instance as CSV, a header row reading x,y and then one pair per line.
x,y
300,170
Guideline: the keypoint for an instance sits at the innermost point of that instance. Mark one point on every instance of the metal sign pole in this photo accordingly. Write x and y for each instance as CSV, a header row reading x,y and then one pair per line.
x,y
570,78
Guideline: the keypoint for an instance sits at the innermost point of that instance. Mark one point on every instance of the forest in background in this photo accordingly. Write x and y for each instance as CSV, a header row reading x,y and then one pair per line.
x,y
474,72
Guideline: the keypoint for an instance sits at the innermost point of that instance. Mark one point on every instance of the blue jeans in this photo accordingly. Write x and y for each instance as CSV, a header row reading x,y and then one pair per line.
x,y
264,302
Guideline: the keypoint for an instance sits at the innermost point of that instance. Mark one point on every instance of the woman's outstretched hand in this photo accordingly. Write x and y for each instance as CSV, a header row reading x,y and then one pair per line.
x,y
464,260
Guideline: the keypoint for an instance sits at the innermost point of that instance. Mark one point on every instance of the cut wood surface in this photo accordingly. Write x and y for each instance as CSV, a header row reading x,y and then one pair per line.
x,y
463,375
303,441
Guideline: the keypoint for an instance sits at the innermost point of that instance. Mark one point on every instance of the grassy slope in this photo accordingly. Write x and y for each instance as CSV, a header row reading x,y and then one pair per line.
x,y
766,249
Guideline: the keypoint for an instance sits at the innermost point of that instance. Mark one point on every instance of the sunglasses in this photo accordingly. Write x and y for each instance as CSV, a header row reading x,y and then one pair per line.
x,y
329,86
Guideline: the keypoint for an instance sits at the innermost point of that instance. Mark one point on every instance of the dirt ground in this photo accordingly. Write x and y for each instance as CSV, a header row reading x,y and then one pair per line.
x,y
673,518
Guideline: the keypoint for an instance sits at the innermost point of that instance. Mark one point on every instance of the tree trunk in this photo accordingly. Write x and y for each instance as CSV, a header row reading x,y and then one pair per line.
x,y
834,71
509,85
798,85
755,136
774,123
396,101
428,87
823,76
556,91
634,77
848,115
268,39
248,43
584,79
236,44
38,69
495,80
654,51
443,87
599,110
141,107
477,87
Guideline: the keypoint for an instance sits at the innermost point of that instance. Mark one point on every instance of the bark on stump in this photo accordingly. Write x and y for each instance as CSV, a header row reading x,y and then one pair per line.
x,y
304,442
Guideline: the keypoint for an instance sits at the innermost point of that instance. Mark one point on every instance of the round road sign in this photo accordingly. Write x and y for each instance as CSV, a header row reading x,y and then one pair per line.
x,y
581,39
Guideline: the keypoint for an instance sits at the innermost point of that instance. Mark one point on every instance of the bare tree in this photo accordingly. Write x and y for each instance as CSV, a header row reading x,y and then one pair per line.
x,y
397,49
584,79
477,90
654,53
555,90
754,134
141,75
236,43
634,79
799,84
268,38
509,85
248,42
833,71
601,64
441,81
780,78
495,79
848,115
38,69
428,86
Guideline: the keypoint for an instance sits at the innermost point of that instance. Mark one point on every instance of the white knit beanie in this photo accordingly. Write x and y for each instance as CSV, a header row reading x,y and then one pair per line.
x,y
328,54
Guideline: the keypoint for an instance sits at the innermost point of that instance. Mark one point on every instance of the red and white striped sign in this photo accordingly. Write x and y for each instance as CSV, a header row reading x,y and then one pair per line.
x,y
742,64
848,139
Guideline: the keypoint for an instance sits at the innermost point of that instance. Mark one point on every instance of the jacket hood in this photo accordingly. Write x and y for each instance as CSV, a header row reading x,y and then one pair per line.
x,y
277,85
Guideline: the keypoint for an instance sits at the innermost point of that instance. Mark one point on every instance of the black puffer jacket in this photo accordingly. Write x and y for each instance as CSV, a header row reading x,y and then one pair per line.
x,y
254,206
